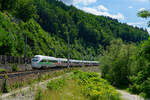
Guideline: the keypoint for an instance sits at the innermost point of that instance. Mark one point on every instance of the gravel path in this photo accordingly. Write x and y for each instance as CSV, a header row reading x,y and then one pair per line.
x,y
128,96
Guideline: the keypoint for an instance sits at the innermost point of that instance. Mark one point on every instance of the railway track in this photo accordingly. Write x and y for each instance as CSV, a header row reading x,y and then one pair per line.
x,y
23,73
33,71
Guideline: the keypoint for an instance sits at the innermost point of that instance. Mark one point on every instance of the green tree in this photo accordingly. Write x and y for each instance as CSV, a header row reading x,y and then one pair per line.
x,y
26,10
116,61
144,14
7,4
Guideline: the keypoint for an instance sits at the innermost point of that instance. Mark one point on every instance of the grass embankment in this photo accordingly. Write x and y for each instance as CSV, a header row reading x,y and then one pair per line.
x,y
78,86
31,80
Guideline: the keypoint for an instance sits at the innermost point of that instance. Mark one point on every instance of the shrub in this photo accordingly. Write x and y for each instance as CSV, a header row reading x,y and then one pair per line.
x,y
79,86
15,68
4,88
56,84
95,87
140,84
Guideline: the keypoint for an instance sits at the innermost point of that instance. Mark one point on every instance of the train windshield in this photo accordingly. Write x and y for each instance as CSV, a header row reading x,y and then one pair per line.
x,y
35,59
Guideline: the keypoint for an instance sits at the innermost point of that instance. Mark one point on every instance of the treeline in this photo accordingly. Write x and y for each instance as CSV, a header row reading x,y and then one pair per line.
x,y
128,65
57,18
47,24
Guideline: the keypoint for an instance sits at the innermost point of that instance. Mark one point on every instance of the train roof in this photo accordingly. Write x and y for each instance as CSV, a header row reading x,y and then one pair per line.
x,y
64,59
46,57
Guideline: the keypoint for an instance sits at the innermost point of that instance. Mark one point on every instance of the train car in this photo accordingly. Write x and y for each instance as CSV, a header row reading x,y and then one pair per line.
x,y
40,61
62,62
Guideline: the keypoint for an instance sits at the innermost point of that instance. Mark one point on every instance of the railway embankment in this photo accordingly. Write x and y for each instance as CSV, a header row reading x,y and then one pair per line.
x,y
20,67
23,78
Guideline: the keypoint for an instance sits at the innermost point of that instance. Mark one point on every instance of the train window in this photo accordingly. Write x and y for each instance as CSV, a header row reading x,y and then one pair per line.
x,y
44,60
54,61
35,59
65,61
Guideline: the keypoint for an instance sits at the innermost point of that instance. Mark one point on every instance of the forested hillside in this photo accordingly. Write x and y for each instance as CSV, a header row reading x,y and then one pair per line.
x,y
48,24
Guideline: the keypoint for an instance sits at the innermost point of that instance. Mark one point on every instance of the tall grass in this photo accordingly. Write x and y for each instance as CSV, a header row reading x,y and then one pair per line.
x,y
79,86
70,91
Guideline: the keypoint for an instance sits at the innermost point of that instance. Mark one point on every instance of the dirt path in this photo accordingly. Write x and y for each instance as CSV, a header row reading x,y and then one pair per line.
x,y
128,96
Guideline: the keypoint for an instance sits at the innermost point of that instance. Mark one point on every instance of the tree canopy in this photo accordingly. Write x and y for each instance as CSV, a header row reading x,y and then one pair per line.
x,y
48,23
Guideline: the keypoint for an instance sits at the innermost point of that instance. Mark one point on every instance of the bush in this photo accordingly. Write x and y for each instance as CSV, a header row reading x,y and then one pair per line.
x,y
95,87
140,84
15,68
56,84
79,86
4,88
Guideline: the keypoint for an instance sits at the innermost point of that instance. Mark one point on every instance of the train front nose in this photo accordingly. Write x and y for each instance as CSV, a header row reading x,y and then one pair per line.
x,y
34,62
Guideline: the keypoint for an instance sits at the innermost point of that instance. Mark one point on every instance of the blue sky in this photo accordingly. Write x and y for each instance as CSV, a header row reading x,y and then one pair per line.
x,y
123,10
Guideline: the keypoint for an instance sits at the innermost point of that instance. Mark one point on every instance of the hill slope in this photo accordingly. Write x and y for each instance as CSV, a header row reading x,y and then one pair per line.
x,y
48,23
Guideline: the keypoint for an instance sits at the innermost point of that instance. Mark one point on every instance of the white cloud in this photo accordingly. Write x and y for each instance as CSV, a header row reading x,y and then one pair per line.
x,y
76,2
95,11
136,23
102,8
68,2
139,24
84,2
130,7
148,29
141,9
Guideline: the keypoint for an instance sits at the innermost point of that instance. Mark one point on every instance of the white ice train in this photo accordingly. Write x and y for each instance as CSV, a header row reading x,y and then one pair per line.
x,y
40,61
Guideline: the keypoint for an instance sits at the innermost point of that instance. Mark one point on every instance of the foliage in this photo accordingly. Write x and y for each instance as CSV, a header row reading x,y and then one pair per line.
x,y
145,49
127,65
80,86
48,23
5,88
116,63
140,81
7,4
26,10
70,91
56,84
144,14
95,87
15,68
